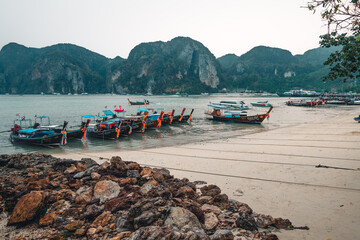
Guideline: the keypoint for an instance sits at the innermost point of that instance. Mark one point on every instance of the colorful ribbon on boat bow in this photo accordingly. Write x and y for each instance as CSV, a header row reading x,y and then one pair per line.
x,y
64,137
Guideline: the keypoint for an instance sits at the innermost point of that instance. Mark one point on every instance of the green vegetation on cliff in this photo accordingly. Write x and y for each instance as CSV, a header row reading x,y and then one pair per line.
x,y
179,65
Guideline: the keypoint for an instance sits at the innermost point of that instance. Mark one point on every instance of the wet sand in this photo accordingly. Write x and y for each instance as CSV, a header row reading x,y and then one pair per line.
x,y
274,172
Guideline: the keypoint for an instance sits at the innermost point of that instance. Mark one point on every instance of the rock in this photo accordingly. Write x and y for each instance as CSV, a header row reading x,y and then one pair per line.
x,y
91,231
117,163
185,191
211,208
181,217
158,177
146,188
156,232
47,219
222,235
146,218
27,207
102,220
123,235
92,211
71,169
95,176
271,237
133,166
263,221
243,208
133,174
205,199
146,171
246,222
105,190
280,223
221,199
80,232
83,195
122,224
210,190
211,221
74,225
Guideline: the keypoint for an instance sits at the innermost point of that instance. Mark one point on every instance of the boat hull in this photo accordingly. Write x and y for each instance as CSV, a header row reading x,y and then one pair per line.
x,y
255,119
48,140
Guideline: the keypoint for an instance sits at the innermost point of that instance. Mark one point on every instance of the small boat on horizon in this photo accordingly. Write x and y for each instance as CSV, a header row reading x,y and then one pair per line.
x,y
145,102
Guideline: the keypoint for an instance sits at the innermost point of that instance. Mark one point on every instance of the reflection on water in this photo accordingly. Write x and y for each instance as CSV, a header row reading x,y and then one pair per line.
x,y
70,108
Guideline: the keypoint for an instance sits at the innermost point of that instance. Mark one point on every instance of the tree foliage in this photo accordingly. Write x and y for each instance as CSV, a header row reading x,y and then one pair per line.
x,y
343,21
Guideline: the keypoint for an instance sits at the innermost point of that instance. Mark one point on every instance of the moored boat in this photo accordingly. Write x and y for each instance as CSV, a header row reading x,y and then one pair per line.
x,y
230,104
261,104
239,116
305,103
145,102
37,136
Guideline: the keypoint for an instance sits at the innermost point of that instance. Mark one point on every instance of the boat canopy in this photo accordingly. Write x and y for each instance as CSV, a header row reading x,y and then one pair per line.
x,y
23,119
28,130
142,109
108,112
235,112
88,116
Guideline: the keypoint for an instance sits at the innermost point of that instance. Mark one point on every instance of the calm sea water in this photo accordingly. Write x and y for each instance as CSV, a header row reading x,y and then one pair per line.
x,y
70,108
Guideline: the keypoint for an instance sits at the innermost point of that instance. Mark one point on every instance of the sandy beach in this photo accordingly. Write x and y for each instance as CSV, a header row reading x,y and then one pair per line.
x,y
275,172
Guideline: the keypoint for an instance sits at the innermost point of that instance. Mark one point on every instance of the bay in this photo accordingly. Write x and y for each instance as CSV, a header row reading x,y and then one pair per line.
x,y
71,107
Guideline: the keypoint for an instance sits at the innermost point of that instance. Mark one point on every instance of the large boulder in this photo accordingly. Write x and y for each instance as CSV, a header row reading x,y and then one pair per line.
x,y
105,190
181,217
27,207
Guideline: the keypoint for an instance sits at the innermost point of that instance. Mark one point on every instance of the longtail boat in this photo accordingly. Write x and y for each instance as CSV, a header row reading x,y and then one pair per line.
x,y
237,116
305,103
145,102
37,136
43,122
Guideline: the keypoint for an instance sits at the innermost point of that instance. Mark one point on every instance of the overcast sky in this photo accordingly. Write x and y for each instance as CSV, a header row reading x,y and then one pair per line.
x,y
113,27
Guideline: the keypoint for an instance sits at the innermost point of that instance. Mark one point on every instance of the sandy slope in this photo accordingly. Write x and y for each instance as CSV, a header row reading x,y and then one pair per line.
x,y
274,172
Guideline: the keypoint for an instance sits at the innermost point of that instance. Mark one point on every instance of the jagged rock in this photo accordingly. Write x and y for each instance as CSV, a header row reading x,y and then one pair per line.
x,y
71,169
186,191
246,222
146,188
95,176
243,208
118,163
146,218
211,221
181,217
263,221
102,220
122,225
205,200
92,211
211,208
282,223
133,173
105,190
47,219
27,207
222,235
156,232
210,190
83,195
74,225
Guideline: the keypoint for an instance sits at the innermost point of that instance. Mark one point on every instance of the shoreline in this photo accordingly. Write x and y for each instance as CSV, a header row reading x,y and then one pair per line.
x,y
274,172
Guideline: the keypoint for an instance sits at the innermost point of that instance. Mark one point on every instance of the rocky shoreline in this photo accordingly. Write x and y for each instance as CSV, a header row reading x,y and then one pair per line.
x,y
42,197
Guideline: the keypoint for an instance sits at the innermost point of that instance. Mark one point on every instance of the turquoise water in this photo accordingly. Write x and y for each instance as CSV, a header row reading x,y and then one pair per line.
x,y
70,108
